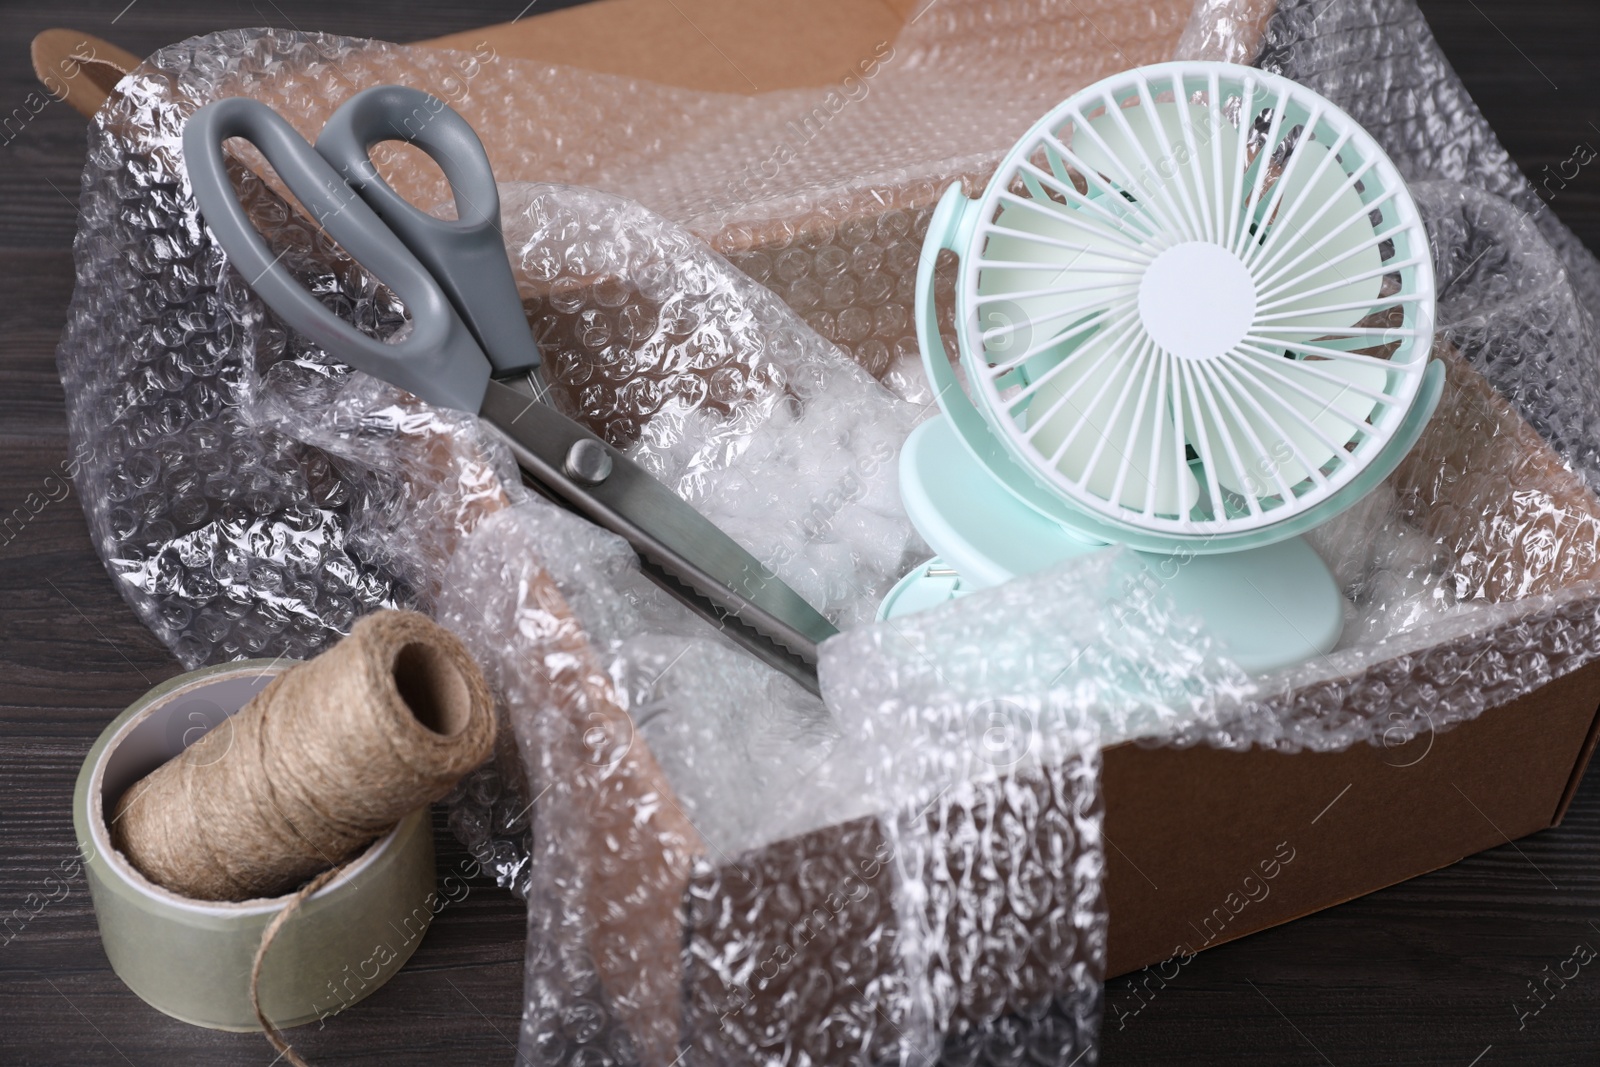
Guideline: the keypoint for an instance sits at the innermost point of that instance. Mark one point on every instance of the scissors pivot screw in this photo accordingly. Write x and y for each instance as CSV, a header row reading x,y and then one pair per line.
x,y
588,462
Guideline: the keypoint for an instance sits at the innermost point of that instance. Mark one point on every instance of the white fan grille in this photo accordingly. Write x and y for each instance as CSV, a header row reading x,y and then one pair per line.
x,y
1197,299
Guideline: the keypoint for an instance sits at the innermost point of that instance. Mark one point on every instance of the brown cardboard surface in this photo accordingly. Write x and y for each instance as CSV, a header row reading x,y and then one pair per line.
x,y
1189,830
59,55
1578,768
731,46
1505,545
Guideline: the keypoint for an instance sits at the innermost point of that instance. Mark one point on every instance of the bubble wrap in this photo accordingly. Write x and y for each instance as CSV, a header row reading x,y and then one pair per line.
x,y
721,868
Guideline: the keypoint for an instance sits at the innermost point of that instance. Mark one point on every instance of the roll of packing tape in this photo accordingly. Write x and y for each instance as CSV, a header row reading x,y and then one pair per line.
x,y
191,959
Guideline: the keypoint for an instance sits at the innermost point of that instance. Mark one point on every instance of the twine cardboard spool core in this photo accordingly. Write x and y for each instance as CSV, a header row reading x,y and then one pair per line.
x,y
433,689
330,755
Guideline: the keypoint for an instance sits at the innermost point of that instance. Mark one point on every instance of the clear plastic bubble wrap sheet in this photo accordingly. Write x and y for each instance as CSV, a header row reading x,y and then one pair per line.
x,y
721,868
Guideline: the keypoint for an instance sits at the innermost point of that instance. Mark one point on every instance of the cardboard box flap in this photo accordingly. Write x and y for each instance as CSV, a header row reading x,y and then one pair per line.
x,y
728,46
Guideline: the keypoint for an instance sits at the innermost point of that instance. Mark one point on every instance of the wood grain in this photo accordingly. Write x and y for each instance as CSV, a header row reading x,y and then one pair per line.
x,y
1428,972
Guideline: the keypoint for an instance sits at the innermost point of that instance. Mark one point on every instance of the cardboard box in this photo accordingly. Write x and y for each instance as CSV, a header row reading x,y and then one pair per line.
x,y
1185,827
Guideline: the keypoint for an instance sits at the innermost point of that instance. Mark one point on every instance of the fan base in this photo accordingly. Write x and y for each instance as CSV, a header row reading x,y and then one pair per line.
x,y
1269,607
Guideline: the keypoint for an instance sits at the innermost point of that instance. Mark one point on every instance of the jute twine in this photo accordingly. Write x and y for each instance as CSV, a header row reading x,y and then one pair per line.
x,y
330,755
273,1034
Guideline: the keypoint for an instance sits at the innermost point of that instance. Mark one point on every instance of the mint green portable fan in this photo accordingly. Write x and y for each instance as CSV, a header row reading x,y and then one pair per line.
x,y
1194,312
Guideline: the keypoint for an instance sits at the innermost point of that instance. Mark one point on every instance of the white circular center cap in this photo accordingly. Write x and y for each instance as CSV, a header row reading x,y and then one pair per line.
x,y
1197,300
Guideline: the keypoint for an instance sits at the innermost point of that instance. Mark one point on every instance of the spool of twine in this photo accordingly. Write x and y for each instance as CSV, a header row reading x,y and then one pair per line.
x,y
322,761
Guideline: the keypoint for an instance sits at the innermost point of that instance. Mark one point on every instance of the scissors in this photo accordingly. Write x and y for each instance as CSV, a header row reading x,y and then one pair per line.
x,y
470,347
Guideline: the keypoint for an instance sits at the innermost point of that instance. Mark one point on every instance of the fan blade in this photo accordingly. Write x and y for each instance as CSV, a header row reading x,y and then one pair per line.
x,y
1322,276
1084,395
1209,171
1097,265
1292,424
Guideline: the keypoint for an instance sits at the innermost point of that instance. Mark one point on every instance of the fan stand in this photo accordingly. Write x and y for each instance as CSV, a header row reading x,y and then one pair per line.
x,y
1268,607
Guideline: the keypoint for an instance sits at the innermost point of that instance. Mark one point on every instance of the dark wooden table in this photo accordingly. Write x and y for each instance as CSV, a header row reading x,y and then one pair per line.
x,y
1429,972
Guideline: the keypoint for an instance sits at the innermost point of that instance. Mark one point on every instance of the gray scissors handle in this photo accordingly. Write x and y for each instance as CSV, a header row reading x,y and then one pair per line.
x,y
439,360
467,254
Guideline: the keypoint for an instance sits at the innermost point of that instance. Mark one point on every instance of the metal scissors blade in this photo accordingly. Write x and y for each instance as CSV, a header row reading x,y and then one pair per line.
x,y
601,483
469,338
